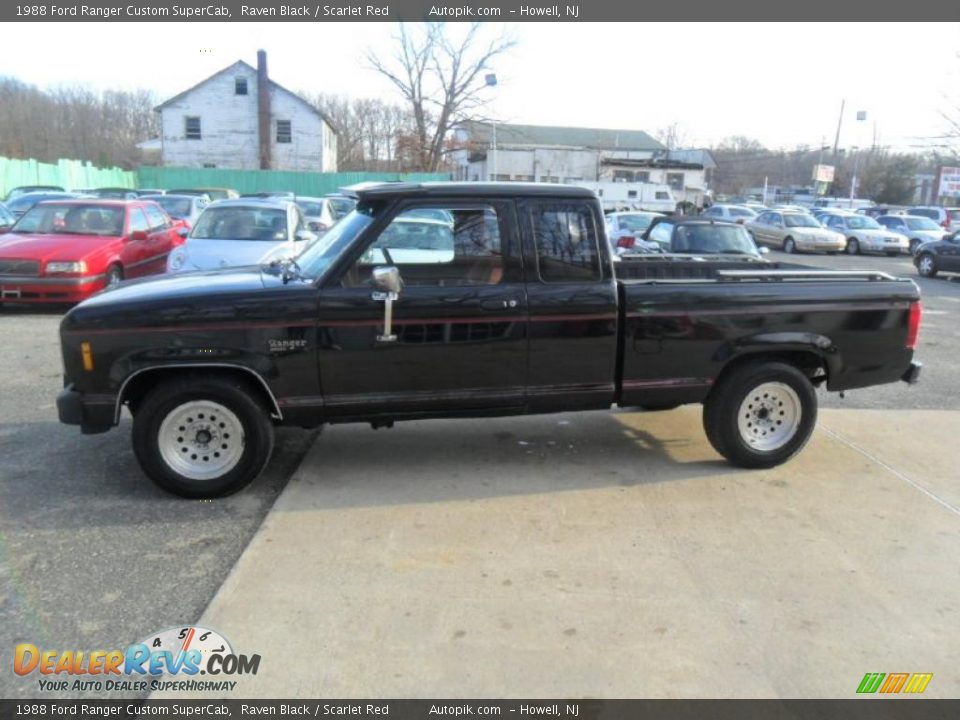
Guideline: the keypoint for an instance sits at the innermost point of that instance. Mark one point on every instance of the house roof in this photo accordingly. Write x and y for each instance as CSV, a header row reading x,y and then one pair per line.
x,y
275,85
548,135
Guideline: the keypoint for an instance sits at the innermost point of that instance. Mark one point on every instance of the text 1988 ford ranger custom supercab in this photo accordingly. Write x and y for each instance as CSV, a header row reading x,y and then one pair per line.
x,y
465,300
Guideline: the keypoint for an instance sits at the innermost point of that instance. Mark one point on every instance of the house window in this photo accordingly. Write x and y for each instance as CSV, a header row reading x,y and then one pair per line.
x,y
240,86
675,181
622,176
642,176
573,179
284,131
192,128
549,179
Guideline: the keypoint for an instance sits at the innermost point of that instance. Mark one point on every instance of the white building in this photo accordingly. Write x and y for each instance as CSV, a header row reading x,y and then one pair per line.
x,y
240,118
538,153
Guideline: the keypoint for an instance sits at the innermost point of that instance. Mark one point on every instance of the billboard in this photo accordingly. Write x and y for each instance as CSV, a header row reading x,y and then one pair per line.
x,y
823,173
949,182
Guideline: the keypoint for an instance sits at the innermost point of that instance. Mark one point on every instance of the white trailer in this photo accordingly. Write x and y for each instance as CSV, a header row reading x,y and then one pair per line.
x,y
624,196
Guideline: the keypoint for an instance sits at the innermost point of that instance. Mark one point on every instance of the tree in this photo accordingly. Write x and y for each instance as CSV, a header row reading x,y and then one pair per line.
x,y
441,79
673,136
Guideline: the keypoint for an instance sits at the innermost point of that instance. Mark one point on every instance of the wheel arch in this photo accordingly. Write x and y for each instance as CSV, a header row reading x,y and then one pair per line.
x,y
814,356
139,383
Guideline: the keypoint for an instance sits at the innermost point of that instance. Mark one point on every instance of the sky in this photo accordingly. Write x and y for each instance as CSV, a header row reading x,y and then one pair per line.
x,y
781,84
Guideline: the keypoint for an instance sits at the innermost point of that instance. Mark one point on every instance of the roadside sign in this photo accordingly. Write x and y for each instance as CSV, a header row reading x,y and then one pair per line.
x,y
823,173
949,182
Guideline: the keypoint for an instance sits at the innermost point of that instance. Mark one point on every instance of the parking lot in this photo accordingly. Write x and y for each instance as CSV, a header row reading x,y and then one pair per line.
x,y
577,555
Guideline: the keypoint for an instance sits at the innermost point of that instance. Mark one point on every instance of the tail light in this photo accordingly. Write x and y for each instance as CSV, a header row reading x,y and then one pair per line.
x,y
626,241
913,325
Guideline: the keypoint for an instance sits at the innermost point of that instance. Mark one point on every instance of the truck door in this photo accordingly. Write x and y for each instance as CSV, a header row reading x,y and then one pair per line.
x,y
572,298
457,340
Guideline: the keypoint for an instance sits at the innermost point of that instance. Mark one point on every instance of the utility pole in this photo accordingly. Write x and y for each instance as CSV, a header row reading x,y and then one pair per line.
x,y
836,140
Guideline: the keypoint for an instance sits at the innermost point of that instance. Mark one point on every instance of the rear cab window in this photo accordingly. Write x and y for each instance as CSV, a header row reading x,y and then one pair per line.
x,y
565,240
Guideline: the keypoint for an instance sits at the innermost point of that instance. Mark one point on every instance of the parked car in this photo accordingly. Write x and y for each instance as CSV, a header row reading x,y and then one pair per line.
x,y
918,229
24,189
63,251
238,232
212,193
794,232
785,207
143,192
947,218
340,205
20,204
731,213
625,228
109,193
211,362
939,256
321,214
181,207
697,236
864,234
879,210
6,219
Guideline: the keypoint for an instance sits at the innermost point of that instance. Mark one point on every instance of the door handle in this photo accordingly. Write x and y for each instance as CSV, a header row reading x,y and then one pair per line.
x,y
502,304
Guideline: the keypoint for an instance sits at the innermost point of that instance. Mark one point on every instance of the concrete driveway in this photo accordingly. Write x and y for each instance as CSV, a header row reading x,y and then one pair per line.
x,y
604,555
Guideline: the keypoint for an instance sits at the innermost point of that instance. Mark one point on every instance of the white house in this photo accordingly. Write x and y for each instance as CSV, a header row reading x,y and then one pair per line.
x,y
541,153
240,118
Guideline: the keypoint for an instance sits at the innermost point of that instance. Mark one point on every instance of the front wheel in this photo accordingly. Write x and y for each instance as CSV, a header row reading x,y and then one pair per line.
x,y
761,414
202,437
927,266
853,247
789,246
114,275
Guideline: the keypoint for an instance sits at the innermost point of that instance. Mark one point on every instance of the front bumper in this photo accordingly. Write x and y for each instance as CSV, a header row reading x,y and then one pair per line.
x,y
912,375
822,245
93,417
51,290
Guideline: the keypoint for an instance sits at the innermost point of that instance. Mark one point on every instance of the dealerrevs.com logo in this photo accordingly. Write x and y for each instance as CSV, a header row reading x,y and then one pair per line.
x,y
169,660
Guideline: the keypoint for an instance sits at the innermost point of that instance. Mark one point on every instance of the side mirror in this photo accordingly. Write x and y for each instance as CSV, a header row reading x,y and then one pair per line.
x,y
183,231
387,279
138,236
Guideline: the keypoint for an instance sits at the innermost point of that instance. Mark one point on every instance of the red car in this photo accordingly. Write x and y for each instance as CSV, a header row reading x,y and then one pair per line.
x,y
66,250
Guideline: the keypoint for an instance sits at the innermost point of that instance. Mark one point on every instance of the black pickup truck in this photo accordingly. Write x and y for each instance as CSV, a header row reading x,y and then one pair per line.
x,y
466,300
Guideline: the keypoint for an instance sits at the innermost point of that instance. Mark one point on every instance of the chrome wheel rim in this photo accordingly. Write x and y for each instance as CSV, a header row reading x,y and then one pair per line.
x,y
201,440
926,265
113,277
769,416
789,246
852,247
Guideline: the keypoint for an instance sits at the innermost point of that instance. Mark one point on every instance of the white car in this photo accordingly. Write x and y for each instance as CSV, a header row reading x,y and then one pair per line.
x,y
322,213
247,231
864,234
918,229
739,214
625,228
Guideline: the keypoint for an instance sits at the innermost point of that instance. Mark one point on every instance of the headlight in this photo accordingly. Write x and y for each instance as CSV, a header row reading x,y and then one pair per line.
x,y
67,267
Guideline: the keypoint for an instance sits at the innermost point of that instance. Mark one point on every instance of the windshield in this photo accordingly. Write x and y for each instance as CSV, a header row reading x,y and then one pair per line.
x,y
862,222
339,207
310,209
175,207
921,224
73,219
800,221
5,217
635,223
712,239
241,223
316,259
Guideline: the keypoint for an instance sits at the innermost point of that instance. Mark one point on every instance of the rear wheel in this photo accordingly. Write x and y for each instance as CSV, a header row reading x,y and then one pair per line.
x,y
202,437
761,414
789,246
914,246
853,247
927,265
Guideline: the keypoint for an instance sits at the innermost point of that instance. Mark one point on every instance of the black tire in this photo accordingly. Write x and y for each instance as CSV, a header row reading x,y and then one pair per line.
x,y
789,246
203,392
853,246
927,265
914,246
721,414
114,275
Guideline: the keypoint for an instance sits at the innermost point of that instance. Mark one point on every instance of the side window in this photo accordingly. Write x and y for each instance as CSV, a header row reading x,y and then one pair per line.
x,y
565,238
439,246
776,220
155,218
138,221
661,234
835,222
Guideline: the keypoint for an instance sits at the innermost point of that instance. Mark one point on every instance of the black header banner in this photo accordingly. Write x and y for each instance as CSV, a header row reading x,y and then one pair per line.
x,y
442,709
485,10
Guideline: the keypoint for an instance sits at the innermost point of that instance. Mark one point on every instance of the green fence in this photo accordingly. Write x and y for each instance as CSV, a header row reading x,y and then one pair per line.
x,y
69,174
249,181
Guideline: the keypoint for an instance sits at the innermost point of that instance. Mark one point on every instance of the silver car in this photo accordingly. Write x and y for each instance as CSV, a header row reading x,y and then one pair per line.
x,y
794,232
918,229
864,234
625,228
